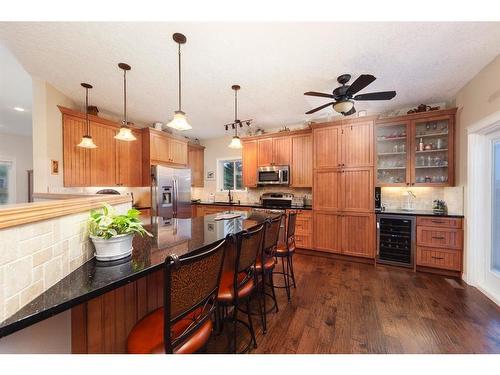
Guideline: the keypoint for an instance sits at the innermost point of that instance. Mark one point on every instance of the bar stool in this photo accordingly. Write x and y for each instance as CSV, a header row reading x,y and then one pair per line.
x,y
183,325
266,258
237,284
285,252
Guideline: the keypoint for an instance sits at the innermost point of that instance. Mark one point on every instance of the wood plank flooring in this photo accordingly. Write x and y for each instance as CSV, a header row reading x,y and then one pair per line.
x,y
346,307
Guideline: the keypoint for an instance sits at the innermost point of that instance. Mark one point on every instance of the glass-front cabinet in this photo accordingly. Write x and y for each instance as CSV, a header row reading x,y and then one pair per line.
x,y
392,154
416,150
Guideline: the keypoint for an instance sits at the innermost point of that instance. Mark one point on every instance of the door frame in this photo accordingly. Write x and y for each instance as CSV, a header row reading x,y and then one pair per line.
x,y
478,204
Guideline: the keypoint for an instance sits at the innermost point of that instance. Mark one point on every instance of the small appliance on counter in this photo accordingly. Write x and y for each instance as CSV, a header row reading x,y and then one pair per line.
x,y
274,175
378,199
276,200
440,207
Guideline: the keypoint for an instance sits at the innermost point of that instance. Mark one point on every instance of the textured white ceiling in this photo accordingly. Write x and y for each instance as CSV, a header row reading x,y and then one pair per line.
x,y
275,63
15,91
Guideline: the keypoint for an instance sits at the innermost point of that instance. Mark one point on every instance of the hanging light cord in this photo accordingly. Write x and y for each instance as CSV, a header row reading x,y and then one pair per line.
x,y
124,97
87,110
179,76
236,112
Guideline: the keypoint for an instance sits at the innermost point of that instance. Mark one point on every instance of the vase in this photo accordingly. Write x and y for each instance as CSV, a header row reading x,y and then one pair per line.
x,y
117,247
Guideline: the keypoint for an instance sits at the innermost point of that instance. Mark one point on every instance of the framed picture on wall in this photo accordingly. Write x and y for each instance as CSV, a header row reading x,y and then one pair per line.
x,y
210,176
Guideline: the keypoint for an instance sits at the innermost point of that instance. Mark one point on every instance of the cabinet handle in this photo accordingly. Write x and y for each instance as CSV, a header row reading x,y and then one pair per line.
x,y
438,238
436,257
437,221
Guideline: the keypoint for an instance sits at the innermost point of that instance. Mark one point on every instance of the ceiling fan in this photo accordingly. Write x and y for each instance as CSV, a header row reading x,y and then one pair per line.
x,y
344,95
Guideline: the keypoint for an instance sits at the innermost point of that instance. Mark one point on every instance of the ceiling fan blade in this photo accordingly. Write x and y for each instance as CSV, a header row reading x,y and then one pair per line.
x,y
323,95
317,109
359,84
353,110
382,95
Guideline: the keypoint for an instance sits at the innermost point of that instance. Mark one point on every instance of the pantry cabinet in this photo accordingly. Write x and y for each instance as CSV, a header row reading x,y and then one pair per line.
x,y
416,149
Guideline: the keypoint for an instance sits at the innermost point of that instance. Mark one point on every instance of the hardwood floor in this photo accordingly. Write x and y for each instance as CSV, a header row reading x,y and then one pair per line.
x,y
345,307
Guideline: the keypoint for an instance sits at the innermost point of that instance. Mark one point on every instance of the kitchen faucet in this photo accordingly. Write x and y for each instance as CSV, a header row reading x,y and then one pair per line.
x,y
230,197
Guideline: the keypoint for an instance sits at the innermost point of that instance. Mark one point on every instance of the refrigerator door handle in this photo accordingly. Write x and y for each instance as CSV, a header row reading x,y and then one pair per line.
x,y
175,196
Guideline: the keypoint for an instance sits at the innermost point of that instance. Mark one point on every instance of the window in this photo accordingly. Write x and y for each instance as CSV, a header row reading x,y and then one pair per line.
x,y
495,205
7,178
230,174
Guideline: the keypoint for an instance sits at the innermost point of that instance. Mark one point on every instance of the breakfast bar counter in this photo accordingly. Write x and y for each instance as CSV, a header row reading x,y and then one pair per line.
x,y
94,281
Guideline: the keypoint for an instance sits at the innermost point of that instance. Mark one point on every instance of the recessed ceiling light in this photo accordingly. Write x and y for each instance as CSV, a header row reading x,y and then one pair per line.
x,y
19,109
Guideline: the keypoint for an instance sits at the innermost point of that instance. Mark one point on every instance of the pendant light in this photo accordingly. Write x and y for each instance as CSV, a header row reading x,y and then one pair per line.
x,y
179,122
87,141
236,141
125,134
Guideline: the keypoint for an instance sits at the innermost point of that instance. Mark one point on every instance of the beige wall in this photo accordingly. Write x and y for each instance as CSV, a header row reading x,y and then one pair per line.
x,y
19,149
476,100
47,134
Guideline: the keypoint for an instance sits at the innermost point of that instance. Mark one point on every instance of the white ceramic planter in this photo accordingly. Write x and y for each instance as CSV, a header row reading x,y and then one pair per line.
x,y
115,248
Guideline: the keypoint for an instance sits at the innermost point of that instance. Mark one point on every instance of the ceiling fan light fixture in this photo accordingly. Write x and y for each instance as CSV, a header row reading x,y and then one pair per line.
x,y
235,143
125,134
343,106
179,122
87,142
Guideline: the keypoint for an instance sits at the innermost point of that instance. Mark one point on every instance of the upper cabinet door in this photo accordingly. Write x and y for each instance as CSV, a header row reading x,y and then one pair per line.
x,y
249,160
432,156
326,143
103,158
196,163
265,152
301,167
393,154
76,160
159,148
357,145
178,151
282,147
327,190
129,161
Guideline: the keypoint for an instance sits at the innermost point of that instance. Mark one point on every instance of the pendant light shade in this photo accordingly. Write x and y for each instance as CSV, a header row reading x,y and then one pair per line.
x,y
87,141
125,134
179,122
235,142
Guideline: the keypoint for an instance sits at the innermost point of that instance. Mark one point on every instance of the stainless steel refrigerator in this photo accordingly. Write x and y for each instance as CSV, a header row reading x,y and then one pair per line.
x,y
170,192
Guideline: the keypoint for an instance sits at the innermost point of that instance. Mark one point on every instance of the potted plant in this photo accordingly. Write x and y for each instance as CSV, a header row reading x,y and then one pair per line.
x,y
112,234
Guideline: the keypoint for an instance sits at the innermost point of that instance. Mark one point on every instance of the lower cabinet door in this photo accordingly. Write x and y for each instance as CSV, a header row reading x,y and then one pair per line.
x,y
327,228
358,234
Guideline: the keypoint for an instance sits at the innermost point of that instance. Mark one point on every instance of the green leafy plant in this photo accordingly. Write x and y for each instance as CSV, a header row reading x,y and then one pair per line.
x,y
107,224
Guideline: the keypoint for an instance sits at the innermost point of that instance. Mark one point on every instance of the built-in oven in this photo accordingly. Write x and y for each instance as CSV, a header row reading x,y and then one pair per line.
x,y
274,175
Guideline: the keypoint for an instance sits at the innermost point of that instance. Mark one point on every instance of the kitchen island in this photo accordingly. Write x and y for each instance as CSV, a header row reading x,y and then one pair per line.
x,y
108,298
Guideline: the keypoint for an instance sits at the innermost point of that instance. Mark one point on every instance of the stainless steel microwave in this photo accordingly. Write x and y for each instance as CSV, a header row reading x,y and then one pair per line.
x,y
274,175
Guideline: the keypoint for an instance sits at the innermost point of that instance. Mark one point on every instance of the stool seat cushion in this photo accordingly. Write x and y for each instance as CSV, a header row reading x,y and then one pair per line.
x,y
226,289
268,264
147,335
281,250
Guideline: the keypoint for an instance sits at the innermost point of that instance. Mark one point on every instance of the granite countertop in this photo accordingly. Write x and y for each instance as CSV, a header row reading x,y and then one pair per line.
x,y
94,278
419,213
253,205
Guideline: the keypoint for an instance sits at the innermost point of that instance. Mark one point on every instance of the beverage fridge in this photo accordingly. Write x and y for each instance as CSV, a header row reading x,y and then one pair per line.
x,y
170,192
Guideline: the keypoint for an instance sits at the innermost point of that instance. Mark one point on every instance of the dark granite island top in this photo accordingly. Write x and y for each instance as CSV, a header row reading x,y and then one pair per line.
x,y
94,278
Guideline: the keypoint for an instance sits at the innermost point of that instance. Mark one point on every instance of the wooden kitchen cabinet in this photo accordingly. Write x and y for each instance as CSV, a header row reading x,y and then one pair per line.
x,y
358,234
103,159
357,145
301,165
327,151
76,160
165,149
327,190
400,162
196,163
265,152
112,163
249,163
129,161
274,151
327,229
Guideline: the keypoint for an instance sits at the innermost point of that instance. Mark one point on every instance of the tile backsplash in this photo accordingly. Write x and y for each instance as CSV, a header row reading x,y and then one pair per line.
x,y
396,197
250,195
